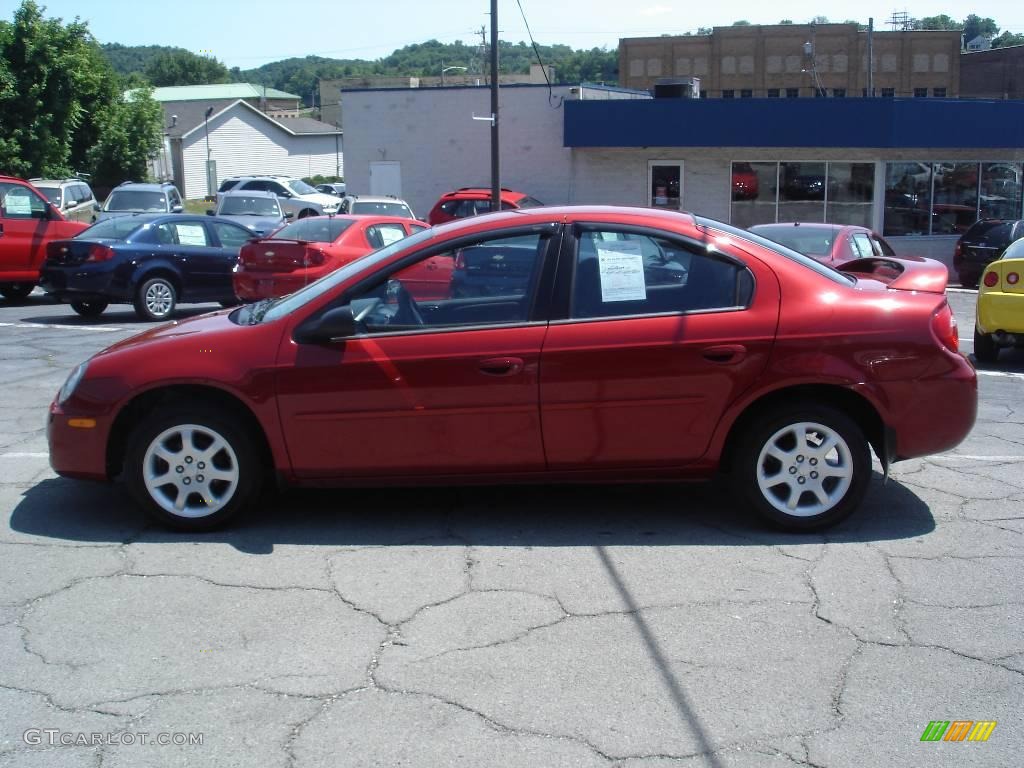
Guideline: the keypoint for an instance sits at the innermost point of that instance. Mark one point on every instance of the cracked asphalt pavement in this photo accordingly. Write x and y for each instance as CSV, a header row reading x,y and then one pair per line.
x,y
635,626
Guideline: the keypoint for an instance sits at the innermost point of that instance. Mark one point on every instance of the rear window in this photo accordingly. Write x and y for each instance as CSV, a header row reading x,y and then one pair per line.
x,y
529,202
51,193
127,200
229,184
249,206
111,229
991,232
381,209
314,230
813,242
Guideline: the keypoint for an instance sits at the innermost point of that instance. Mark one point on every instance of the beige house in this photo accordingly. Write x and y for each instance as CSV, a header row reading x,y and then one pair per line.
x,y
797,60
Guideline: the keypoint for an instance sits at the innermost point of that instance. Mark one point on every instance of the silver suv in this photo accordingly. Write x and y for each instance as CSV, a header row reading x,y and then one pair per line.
x,y
73,197
376,205
296,196
137,197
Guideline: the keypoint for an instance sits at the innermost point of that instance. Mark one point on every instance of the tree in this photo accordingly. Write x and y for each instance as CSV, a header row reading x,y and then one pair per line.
x,y
819,20
741,23
130,134
185,68
786,21
1007,38
938,22
53,80
974,26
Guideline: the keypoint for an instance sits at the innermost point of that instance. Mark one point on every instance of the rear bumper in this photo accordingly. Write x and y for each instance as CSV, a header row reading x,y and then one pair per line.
x,y
999,311
83,283
936,412
253,286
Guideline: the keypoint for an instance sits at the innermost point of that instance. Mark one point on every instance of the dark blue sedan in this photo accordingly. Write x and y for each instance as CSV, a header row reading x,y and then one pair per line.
x,y
154,261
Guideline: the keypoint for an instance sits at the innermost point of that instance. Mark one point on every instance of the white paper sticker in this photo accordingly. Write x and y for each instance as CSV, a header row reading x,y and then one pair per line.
x,y
389,235
18,204
621,265
191,234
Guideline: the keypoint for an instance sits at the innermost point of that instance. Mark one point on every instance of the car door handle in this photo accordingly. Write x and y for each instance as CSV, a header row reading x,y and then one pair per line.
x,y
725,353
501,366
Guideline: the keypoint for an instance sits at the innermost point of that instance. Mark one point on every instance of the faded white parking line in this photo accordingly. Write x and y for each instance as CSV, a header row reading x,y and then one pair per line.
x,y
961,290
1002,374
24,455
58,326
973,457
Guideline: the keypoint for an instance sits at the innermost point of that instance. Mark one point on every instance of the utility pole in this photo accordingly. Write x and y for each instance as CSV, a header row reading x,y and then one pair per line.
x,y
495,157
871,57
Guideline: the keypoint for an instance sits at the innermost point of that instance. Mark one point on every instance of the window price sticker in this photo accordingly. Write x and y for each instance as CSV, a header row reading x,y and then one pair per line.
x,y
621,266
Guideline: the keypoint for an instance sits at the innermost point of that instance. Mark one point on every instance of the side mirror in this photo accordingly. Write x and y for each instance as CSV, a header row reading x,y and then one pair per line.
x,y
210,212
177,209
69,203
289,214
96,206
335,324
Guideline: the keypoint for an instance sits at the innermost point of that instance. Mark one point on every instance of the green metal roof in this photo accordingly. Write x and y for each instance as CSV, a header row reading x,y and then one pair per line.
x,y
220,91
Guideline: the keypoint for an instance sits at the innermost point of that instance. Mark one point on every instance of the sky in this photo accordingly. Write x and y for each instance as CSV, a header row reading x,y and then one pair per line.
x,y
248,33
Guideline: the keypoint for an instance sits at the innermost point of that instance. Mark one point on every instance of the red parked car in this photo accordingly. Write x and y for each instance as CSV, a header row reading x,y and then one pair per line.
x,y
641,345
471,201
832,244
305,250
28,222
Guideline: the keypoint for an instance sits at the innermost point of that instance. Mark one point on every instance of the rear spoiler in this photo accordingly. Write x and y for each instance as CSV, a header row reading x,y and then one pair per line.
x,y
903,273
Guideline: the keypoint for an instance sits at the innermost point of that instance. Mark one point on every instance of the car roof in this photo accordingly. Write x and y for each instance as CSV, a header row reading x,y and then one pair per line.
x,y
58,181
812,225
249,193
467,191
377,199
143,186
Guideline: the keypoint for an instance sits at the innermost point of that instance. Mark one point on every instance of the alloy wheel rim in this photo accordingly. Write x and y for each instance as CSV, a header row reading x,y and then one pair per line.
x,y
805,469
190,471
158,299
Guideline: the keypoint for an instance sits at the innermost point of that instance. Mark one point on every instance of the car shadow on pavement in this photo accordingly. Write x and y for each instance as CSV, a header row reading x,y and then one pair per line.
x,y
530,516
117,314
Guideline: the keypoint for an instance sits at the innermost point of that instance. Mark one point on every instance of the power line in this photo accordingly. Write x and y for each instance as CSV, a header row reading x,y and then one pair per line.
x,y
540,60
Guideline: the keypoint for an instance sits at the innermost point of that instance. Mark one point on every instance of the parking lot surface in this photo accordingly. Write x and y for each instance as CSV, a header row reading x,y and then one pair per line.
x,y
638,626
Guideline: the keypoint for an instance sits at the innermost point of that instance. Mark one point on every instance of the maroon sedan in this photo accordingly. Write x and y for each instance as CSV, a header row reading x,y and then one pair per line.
x,y
832,244
583,344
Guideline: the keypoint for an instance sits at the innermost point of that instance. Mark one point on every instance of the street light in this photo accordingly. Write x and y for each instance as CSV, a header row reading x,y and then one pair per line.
x,y
206,130
450,69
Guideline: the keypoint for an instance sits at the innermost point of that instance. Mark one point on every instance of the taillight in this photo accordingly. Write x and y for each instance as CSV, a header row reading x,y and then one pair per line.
x,y
944,328
99,252
56,250
314,257
1012,278
991,278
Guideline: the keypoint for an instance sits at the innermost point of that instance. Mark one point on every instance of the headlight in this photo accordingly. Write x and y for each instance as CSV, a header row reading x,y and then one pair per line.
x,y
73,381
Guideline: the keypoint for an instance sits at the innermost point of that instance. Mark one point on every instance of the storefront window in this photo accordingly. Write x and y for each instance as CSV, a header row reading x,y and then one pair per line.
x,y
1000,191
851,190
802,191
954,197
666,185
907,198
753,193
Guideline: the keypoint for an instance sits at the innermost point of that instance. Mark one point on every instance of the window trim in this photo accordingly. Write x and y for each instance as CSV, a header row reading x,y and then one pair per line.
x,y
649,193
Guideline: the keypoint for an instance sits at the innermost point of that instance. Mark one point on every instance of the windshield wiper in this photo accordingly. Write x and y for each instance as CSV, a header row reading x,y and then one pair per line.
x,y
259,309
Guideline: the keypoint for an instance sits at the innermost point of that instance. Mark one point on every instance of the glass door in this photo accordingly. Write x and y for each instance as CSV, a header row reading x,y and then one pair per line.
x,y
665,184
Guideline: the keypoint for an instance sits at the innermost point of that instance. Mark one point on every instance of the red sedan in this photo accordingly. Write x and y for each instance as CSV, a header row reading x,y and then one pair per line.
x,y
832,244
583,344
307,249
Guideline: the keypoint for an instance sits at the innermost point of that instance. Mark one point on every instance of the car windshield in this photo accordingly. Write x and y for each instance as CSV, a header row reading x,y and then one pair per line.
x,y
381,209
111,229
812,241
249,206
273,309
299,187
132,200
314,230
822,269
1014,250
52,194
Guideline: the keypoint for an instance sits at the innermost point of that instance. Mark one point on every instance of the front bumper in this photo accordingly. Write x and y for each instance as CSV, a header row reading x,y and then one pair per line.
x,y
77,451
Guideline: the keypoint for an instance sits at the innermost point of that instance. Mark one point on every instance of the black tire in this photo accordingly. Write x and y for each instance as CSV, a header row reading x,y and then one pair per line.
x,y
985,348
226,498
155,299
16,291
844,489
89,308
306,212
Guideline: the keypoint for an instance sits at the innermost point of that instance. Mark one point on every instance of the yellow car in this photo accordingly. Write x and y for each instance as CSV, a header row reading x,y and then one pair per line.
x,y
1000,321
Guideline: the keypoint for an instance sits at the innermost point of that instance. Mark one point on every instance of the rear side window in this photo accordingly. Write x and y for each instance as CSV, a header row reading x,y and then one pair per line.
x,y
380,235
111,229
1015,250
862,246
230,235
625,273
228,184
529,202
381,209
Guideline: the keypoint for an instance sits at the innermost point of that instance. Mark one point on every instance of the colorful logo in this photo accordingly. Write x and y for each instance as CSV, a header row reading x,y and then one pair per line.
x,y
958,730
